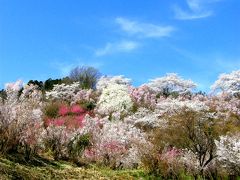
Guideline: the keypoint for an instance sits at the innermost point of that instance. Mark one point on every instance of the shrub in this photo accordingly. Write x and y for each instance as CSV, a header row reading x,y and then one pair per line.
x,y
51,110
78,144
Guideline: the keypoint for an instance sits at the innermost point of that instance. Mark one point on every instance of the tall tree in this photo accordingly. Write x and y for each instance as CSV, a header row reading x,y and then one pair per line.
x,y
86,76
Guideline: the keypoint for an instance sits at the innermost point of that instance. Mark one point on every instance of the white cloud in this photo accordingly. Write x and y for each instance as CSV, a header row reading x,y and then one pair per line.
x,y
197,9
146,30
123,46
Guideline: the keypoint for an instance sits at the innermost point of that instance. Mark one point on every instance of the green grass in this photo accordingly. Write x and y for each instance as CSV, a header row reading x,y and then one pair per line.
x,y
13,167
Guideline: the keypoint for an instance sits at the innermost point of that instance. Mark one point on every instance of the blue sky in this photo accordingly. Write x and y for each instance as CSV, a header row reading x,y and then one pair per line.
x,y
198,39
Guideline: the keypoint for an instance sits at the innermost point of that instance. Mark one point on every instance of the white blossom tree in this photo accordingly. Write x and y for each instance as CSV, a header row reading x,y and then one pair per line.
x,y
104,81
63,91
21,118
171,83
228,152
115,100
228,83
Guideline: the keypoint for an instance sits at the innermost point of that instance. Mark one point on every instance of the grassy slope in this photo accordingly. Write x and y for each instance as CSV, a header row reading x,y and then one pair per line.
x,y
10,169
15,167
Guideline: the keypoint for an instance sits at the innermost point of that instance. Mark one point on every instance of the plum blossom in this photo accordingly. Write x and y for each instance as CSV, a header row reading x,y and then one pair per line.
x,y
84,95
118,140
143,96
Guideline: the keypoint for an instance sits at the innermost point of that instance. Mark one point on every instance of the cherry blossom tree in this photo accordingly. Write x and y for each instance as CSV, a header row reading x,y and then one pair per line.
x,y
21,118
104,81
63,92
228,152
171,83
228,83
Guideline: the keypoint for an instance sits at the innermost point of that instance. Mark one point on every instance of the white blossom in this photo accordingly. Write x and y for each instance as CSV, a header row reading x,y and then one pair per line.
x,y
63,91
146,119
104,81
171,82
228,150
175,105
22,116
228,83
15,86
114,98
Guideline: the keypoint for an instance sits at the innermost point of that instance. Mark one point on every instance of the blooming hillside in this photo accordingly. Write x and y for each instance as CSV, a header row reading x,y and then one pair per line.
x,y
162,126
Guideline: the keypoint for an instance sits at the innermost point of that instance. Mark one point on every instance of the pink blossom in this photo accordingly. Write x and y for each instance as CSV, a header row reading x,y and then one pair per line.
x,y
63,110
76,109
79,120
48,121
114,146
90,153
170,155
57,122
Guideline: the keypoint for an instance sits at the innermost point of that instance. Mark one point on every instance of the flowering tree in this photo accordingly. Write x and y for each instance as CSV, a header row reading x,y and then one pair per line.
x,y
228,83
15,86
143,96
191,130
104,81
228,152
20,118
116,144
63,92
115,100
171,83
173,106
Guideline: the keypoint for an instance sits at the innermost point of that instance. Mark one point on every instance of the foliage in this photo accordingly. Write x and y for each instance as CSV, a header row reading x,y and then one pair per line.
x,y
51,110
78,144
49,83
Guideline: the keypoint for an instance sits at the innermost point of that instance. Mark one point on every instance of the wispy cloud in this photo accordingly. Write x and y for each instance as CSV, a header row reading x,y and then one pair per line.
x,y
197,9
122,46
145,30
227,64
